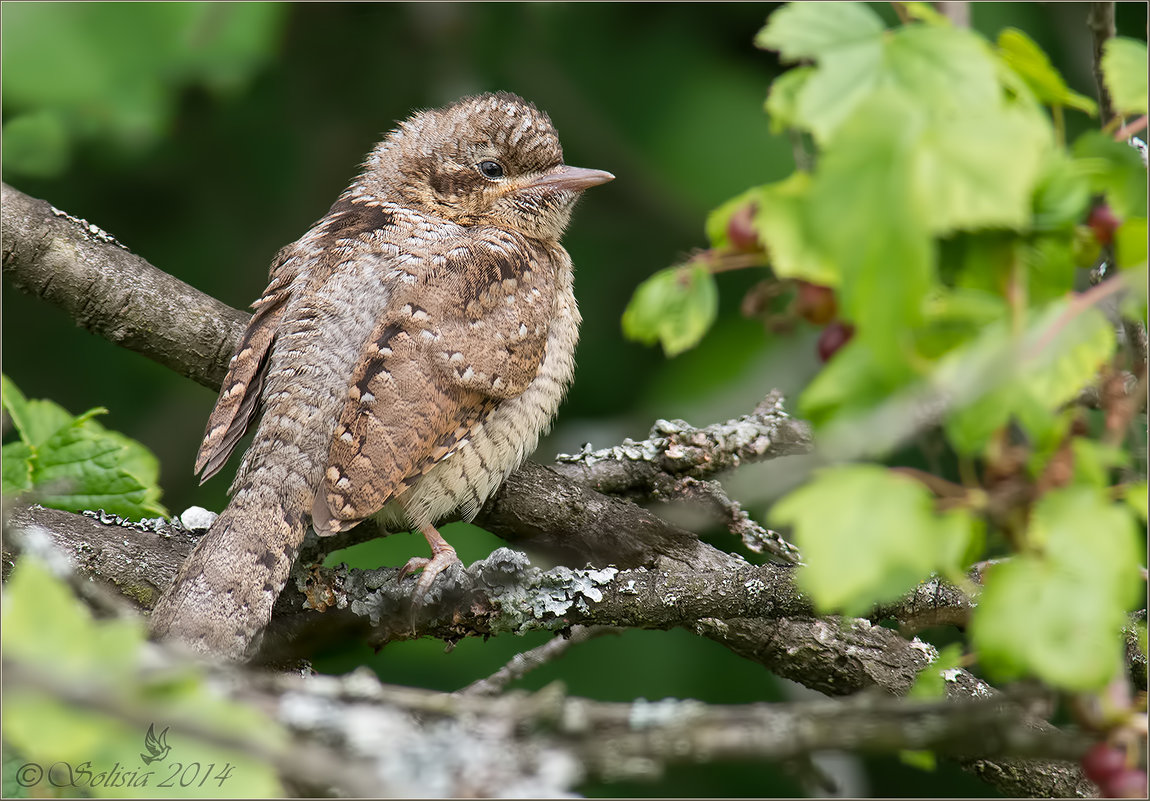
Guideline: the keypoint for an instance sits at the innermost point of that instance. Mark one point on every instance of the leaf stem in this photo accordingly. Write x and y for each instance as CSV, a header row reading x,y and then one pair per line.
x,y
718,262
1059,125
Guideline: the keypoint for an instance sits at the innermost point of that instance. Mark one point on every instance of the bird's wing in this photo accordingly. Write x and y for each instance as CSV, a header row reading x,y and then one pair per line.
x,y
465,327
239,400
150,739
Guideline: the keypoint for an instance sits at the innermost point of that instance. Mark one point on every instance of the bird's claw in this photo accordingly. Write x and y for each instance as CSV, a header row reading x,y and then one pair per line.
x,y
442,559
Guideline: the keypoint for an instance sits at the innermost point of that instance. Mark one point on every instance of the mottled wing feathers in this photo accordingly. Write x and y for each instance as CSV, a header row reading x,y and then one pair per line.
x,y
397,416
239,400
429,374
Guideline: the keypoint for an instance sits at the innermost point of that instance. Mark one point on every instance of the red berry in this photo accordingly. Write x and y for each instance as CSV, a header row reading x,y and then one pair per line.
x,y
741,228
1126,784
1102,762
1103,222
834,336
815,303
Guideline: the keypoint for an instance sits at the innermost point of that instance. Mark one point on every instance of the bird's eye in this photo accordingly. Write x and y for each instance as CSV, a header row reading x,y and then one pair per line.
x,y
491,169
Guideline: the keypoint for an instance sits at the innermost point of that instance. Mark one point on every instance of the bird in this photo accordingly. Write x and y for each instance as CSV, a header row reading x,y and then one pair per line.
x,y
157,747
408,352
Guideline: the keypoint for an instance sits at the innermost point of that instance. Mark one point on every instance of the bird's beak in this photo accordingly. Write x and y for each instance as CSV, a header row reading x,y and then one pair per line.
x,y
573,179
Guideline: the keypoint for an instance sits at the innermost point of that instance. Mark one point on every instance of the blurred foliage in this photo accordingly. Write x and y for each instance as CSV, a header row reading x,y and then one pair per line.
x,y
206,136
927,140
50,634
72,86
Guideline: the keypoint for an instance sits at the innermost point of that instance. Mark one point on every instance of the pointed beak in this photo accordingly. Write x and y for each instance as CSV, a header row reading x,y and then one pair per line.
x,y
572,179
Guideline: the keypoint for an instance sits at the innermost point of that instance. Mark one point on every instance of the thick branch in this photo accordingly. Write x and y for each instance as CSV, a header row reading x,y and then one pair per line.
x,y
112,292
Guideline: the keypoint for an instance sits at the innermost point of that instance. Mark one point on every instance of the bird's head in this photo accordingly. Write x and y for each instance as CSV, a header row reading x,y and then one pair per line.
x,y
491,159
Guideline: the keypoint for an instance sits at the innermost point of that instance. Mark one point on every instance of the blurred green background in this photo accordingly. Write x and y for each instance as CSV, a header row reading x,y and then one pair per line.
x,y
205,136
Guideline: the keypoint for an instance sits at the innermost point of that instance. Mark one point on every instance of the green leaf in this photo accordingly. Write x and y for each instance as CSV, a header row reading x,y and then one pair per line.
x,y
1057,613
783,97
1124,70
1130,243
36,144
1024,380
1049,266
848,382
1062,194
943,72
1116,170
812,30
980,170
77,469
781,222
42,620
1094,460
1136,498
1026,58
74,463
675,306
35,420
17,467
112,71
864,215
1064,353
855,561
138,462
953,317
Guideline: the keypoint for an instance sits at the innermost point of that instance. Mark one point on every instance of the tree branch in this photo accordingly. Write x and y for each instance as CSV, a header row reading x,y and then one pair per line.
x,y
764,618
1100,21
112,292
546,742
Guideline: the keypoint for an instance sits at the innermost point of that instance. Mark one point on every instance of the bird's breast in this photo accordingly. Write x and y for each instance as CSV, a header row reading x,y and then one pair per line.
x,y
505,437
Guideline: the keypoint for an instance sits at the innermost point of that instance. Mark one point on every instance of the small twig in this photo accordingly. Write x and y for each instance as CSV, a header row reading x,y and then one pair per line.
x,y
754,536
721,262
936,484
1130,128
674,448
523,663
1079,303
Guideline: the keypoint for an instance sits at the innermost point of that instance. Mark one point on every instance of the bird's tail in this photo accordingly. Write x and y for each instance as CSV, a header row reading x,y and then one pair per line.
x,y
223,595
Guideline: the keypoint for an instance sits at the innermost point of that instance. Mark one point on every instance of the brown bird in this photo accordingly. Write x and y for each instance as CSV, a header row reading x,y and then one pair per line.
x,y
407,354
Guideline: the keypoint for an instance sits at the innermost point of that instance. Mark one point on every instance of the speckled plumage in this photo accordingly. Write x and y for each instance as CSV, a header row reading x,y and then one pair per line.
x,y
408,352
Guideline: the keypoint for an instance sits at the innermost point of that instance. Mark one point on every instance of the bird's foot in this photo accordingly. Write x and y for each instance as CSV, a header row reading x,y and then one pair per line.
x,y
442,557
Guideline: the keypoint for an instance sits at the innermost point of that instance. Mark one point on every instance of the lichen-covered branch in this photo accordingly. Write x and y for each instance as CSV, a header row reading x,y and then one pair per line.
x,y
505,594
353,734
558,511
675,449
